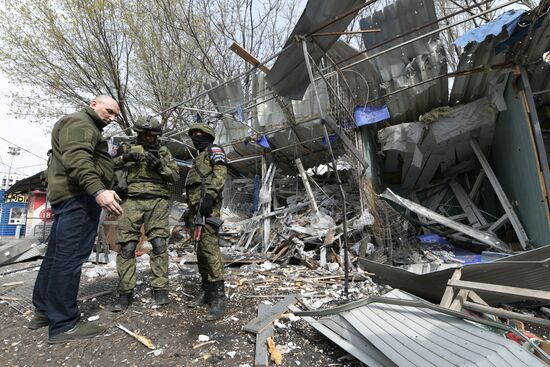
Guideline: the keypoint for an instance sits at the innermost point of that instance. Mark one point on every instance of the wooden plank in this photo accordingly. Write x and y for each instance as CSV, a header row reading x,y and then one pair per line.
x,y
505,313
261,355
459,300
305,181
407,160
348,144
449,291
508,208
414,169
429,169
500,289
449,160
246,56
257,324
477,185
476,298
536,135
474,215
498,223
391,162
436,199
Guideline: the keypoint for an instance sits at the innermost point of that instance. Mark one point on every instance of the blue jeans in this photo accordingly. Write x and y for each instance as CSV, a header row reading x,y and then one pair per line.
x,y
71,241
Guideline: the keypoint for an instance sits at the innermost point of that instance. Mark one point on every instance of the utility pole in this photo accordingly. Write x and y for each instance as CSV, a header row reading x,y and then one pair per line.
x,y
13,151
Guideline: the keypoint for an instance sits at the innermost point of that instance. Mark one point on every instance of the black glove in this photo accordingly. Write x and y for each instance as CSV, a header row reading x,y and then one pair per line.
x,y
132,157
206,206
153,161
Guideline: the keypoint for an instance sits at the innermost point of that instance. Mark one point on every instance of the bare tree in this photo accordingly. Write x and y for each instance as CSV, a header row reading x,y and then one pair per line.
x,y
67,50
149,55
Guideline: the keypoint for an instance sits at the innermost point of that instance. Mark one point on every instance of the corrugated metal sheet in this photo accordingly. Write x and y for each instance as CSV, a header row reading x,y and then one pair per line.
x,y
269,116
412,63
363,79
526,270
506,21
470,87
289,76
517,169
228,97
413,336
341,332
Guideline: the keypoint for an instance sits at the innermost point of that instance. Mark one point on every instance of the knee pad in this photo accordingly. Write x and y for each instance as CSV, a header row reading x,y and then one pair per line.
x,y
159,245
128,250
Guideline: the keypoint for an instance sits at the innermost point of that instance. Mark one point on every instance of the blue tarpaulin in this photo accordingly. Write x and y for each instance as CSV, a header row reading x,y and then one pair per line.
x,y
332,139
263,142
434,242
507,20
367,115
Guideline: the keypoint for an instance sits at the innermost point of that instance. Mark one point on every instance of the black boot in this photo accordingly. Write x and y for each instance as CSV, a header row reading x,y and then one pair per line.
x,y
161,296
217,302
124,300
202,296
40,319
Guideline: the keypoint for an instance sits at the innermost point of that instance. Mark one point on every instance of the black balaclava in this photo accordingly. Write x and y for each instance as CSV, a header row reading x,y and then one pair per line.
x,y
154,146
201,142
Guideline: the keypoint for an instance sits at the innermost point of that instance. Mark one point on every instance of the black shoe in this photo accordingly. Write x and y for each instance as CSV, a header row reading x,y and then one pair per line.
x,y
217,304
123,302
202,297
82,330
40,319
161,296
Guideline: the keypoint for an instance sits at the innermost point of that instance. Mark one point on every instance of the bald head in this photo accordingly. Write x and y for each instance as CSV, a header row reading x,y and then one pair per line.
x,y
106,108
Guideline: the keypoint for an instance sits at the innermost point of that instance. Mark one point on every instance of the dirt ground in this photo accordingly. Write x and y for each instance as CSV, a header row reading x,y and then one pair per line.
x,y
175,328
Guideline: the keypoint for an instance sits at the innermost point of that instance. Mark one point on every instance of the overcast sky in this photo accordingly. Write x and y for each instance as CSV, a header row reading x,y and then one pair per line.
x,y
33,138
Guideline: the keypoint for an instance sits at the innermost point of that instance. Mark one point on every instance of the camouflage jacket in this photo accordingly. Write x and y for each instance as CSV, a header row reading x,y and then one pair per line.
x,y
143,180
212,165
80,162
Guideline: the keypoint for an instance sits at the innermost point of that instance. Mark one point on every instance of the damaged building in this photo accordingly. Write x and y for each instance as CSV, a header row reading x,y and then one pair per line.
x,y
413,194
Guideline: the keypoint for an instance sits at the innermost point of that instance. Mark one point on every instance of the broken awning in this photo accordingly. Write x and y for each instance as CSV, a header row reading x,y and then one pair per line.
x,y
288,76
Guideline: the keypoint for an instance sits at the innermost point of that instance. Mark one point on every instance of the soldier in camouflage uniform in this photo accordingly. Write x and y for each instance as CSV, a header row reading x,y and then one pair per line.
x,y
150,169
204,186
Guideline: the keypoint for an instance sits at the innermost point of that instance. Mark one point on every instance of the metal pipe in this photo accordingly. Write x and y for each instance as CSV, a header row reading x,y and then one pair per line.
x,y
337,175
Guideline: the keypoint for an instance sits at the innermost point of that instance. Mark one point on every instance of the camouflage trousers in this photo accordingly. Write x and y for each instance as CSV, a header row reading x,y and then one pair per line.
x,y
153,215
209,256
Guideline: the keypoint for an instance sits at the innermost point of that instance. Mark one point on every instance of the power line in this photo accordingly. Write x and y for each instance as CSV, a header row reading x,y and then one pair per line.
x,y
34,165
18,171
28,151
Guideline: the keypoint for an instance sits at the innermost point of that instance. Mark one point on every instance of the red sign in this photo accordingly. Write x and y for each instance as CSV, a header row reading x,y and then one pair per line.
x,y
46,215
